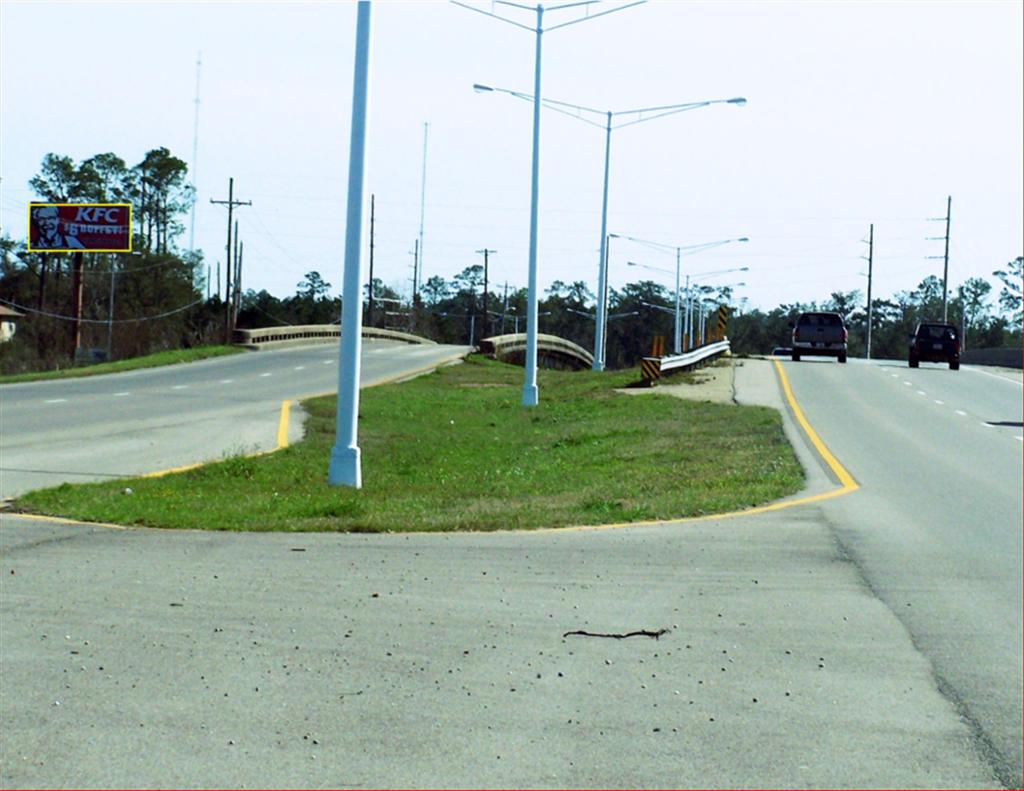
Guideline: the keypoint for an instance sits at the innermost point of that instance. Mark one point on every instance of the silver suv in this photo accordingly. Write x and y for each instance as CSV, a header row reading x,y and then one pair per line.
x,y
821,334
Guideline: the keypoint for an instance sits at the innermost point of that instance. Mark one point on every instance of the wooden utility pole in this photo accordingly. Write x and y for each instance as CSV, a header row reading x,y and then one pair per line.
x,y
233,295
231,203
945,259
76,302
485,252
369,300
871,253
238,283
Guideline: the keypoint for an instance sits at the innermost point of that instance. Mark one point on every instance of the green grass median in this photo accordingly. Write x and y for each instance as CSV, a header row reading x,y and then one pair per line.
x,y
455,450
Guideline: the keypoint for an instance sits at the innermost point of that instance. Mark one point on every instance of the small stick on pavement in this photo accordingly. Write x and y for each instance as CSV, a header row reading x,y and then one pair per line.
x,y
622,636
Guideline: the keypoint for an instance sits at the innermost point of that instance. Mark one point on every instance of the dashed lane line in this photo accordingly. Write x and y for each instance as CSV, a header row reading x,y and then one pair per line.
x,y
55,401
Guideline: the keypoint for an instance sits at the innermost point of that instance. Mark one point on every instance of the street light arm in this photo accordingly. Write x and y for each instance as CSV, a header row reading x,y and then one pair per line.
x,y
679,109
590,16
647,266
496,16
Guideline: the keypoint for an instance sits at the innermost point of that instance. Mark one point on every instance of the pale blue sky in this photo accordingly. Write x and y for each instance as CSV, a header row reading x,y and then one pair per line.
x,y
858,113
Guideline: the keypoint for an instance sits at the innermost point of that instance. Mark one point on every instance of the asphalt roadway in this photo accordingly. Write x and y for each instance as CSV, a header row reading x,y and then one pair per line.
x,y
161,418
155,658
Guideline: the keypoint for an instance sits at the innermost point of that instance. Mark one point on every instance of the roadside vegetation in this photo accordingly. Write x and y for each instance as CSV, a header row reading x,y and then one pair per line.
x,y
162,296
119,366
454,450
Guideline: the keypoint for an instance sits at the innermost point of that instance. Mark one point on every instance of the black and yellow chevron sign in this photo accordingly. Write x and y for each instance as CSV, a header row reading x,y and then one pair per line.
x,y
723,320
650,369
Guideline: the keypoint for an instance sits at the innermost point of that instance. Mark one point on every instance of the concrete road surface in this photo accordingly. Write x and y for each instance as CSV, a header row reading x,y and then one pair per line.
x,y
936,529
152,658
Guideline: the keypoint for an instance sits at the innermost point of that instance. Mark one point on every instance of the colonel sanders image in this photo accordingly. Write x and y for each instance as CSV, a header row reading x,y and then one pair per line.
x,y
46,219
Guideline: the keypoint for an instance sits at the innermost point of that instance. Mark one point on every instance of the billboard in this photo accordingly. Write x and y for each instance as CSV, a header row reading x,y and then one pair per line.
x,y
80,227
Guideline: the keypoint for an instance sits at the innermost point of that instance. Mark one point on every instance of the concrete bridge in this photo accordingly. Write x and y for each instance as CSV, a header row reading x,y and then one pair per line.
x,y
552,351
305,334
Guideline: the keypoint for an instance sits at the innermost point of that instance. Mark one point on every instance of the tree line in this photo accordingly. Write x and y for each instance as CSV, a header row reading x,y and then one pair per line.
x,y
153,299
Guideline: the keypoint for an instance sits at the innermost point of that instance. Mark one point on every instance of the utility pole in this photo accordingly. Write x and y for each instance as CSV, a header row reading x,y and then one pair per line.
x,y
423,197
945,260
504,309
485,252
195,151
871,253
415,273
233,296
76,302
415,267
369,306
238,283
231,203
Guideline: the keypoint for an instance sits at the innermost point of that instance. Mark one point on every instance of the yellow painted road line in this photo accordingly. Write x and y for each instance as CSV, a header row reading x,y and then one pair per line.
x,y
848,484
59,520
840,472
162,473
282,425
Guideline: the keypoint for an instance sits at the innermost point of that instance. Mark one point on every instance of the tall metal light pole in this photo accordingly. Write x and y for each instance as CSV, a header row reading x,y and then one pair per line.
x,y
580,113
680,251
530,392
345,468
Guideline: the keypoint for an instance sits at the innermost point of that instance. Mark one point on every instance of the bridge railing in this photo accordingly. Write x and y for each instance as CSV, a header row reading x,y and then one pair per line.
x,y
501,346
278,337
651,368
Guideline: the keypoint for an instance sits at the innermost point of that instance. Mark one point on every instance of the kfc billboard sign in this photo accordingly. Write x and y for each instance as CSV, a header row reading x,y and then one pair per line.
x,y
80,227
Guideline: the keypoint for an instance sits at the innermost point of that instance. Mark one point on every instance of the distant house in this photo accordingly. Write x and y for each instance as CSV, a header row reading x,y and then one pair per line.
x,y
8,322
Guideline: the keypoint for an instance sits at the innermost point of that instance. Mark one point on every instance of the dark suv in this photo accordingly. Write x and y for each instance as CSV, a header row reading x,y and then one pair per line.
x,y
822,334
935,342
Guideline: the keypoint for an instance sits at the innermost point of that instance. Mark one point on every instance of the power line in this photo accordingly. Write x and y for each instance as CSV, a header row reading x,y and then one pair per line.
x,y
61,317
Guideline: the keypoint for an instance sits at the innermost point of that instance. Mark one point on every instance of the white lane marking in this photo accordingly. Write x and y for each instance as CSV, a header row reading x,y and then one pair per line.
x,y
921,392
940,403
300,368
264,374
226,381
179,387
1021,439
987,425
121,395
327,362
56,401
997,376
961,412
908,384
895,376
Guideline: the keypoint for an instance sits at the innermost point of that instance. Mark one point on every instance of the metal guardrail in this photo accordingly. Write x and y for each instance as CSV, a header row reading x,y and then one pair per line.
x,y
277,337
501,346
1004,357
651,368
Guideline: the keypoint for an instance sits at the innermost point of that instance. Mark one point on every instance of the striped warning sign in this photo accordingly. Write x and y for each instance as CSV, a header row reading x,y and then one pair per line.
x,y
723,320
650,369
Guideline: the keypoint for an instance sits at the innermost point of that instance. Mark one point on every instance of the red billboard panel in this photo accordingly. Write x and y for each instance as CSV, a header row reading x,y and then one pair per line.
x,y
80,227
